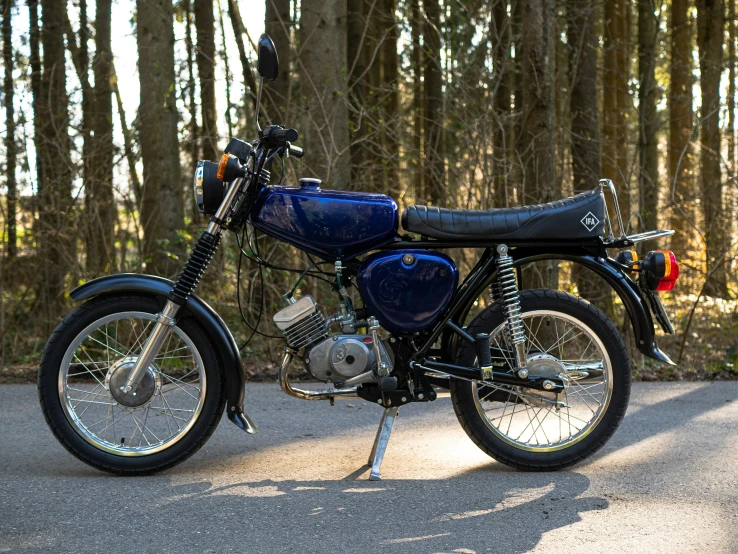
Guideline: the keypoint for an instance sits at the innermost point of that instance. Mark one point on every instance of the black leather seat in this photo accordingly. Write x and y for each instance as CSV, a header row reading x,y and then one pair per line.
x,y
576,217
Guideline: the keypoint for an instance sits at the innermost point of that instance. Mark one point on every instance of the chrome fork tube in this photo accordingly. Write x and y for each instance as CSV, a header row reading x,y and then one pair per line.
x,y
214,226
164,323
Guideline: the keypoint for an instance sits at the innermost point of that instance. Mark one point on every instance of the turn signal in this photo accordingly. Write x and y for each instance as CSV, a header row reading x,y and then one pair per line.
x,y
629,258
660,270
228,168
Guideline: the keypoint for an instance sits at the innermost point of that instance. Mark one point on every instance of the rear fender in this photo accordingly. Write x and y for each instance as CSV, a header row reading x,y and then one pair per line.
x,y
634,302
216,328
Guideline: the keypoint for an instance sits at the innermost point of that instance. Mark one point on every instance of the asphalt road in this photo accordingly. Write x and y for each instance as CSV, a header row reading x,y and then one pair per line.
x,y
666,482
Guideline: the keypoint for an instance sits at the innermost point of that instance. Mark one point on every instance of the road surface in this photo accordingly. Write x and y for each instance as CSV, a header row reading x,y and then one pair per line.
x,y
666,482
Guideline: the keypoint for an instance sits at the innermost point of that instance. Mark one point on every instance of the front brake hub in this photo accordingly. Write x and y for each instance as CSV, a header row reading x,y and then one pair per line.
x,y
115,382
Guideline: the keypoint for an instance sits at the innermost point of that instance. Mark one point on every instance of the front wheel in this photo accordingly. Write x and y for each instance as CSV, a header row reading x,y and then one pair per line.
x,y
536,430
87,361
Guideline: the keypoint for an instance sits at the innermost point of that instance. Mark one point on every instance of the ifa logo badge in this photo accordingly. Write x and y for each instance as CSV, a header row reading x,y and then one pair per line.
x,y
590,221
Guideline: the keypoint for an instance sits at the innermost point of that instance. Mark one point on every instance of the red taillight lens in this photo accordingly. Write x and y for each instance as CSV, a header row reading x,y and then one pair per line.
x,y
660,270
671,274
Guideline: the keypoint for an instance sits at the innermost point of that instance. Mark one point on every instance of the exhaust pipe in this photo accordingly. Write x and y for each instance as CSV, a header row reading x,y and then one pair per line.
x,y
328,394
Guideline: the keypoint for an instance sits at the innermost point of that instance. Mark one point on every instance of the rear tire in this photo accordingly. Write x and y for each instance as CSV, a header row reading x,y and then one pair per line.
x,y
74,427
500,443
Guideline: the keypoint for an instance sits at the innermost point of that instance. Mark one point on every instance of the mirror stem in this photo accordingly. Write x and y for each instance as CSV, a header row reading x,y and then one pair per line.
x,y
258,103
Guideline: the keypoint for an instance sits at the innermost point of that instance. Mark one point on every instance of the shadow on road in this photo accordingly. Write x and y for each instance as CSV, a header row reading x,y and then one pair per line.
x,y
397,515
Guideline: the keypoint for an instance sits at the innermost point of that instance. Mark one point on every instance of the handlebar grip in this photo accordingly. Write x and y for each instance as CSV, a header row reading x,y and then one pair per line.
x,y
296,151
280,136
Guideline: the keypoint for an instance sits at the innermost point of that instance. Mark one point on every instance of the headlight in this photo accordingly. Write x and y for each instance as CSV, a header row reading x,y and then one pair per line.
x,y
209,190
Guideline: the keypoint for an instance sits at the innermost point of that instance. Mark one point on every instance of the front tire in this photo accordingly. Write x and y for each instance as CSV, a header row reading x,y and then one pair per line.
x,y
180,400
535,431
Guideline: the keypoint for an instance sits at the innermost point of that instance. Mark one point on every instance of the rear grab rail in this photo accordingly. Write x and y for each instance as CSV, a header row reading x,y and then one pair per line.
x,y
624,240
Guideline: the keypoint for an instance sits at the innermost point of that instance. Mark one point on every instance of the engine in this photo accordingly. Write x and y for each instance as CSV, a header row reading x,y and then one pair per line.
x,y
337,358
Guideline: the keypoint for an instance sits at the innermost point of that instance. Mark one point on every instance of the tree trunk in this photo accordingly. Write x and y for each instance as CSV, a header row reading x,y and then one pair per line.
x,y
732,198
10,148
390,84
373,95
101,213
237,24
416,152
585,139
322,82
277,24
616,102
435,155
205,27
56,218
501,32
648,124
35,63
191,90
710,27
356,61
537,141
228,75
515,180
127,139
680,128
162,203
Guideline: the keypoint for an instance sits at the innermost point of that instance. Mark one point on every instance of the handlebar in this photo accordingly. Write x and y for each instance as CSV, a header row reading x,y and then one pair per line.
x,y
277,136
296,151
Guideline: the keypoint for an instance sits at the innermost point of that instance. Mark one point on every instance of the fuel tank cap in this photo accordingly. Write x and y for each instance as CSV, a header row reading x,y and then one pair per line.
x,y
310,183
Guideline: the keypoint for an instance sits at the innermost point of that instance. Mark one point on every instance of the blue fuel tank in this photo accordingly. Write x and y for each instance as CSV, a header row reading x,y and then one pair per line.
x,y
407,290
333,224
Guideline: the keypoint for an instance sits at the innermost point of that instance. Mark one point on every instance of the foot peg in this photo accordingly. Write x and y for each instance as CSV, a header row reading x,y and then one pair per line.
x,y
380,442
387,384
484,355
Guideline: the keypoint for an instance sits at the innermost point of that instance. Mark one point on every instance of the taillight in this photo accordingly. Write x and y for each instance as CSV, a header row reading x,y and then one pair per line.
x,y
660,270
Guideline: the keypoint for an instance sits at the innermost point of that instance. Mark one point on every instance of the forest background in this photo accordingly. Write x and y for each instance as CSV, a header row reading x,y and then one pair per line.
x,y
108,105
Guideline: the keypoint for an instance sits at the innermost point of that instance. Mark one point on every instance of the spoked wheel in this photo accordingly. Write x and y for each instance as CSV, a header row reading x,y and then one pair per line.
x,y
567,338
83,373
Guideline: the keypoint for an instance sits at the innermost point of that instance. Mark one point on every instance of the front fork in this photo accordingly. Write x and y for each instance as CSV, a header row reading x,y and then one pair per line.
x,y
193,270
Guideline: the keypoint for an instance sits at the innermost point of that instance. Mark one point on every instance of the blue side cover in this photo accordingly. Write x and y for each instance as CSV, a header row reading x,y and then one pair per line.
x,y
333,224
407,298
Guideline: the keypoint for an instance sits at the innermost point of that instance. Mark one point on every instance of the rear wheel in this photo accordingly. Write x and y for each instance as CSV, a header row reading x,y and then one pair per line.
x,y
88,359
536,430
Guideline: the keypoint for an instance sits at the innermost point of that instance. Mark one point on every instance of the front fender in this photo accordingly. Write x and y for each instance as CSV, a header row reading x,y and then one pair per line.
x,y
216,328
636,306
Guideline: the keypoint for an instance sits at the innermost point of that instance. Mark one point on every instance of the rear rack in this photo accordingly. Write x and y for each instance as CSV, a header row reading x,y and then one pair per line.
x,y
624,240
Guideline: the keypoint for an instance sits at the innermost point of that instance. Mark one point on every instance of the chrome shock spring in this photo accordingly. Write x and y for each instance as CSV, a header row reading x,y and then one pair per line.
x,y
507,293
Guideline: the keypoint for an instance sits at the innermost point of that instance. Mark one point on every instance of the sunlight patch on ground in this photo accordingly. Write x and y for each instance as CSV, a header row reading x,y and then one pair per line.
x,y
674,527
414,539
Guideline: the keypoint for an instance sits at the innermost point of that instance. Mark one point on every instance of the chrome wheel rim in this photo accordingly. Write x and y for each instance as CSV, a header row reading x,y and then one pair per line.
x,y
110,344
519,416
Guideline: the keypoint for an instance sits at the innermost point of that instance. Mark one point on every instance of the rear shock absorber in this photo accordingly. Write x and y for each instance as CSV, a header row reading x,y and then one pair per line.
x,y
507,294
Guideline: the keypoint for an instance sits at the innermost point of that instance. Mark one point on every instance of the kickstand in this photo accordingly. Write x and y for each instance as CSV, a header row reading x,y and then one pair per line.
x,y
380,443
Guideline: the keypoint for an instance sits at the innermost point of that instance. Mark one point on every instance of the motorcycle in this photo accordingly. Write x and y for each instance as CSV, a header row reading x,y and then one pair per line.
x,y
135,380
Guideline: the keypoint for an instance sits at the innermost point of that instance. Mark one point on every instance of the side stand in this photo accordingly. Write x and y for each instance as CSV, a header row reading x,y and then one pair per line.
x,y
380,442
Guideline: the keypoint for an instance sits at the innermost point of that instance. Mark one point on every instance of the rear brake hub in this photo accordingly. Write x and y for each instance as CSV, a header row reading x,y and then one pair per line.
x,y
543,366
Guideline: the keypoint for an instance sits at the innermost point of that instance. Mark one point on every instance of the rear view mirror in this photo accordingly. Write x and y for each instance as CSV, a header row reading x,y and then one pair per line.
x,y
268,64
